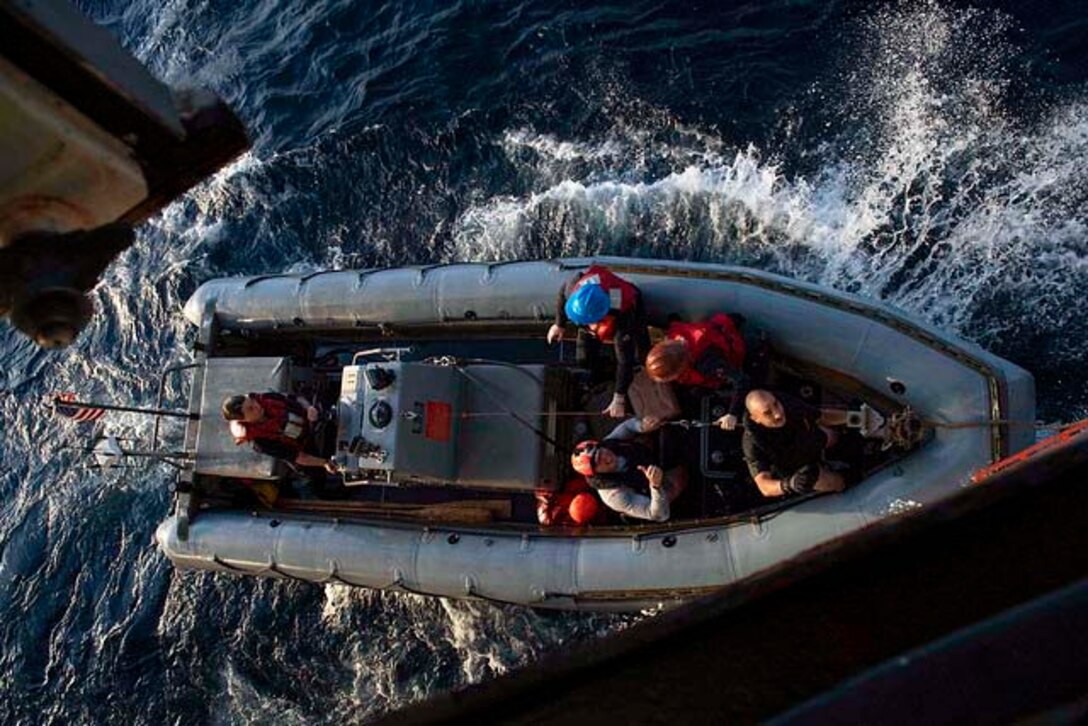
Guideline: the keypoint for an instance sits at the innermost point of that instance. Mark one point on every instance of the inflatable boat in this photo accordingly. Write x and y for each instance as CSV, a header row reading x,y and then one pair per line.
x,y
448,413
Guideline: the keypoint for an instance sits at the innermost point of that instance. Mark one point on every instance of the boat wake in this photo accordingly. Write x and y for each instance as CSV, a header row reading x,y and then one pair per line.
x,y
931,190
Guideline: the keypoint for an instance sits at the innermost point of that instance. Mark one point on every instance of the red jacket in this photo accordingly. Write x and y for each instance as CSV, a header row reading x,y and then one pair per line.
x,y
719,332
622,294
624,327
284,422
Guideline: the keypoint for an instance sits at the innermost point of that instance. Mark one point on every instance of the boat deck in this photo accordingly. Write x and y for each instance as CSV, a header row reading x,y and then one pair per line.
x,y
718,481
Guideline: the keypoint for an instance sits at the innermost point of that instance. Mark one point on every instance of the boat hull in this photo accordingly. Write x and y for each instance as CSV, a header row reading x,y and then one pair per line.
x,y
941,377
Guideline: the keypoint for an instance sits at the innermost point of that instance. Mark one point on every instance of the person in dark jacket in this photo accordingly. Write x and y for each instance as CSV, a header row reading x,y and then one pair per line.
x,y
277,425
784,442
609,310
630,476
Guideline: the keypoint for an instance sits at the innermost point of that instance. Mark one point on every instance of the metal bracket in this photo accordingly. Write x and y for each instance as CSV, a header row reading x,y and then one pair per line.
x,y
868,420
184,499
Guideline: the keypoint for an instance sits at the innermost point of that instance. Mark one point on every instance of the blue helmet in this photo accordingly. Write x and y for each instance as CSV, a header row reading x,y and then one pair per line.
x,y
588,304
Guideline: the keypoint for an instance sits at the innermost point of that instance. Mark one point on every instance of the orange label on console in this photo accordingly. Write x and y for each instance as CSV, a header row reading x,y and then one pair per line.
x,y
438,420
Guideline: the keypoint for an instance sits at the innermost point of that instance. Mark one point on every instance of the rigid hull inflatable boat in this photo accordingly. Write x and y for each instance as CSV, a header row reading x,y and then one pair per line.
x,y
451,411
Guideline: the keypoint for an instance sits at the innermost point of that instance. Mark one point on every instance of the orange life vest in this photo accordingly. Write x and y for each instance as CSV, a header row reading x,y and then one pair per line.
x,y
553,508
719,332
621,295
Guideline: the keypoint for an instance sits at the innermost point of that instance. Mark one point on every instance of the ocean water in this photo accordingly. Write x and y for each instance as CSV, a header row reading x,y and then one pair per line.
x,y
931,154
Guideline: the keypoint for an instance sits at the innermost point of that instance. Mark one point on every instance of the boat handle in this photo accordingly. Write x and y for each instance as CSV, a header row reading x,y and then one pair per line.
x,y
158,399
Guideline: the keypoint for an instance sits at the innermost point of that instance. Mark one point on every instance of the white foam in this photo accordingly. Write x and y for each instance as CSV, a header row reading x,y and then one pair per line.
x,y
935,201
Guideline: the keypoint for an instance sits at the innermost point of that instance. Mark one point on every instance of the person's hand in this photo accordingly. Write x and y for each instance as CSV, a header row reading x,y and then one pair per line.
x,y
616,409
312,413
802,480
544,506
728,422
238,431
654,475
331,466
555,333
650,423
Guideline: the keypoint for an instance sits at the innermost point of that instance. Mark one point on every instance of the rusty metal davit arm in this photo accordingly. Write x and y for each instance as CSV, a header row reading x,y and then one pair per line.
x,y
90,145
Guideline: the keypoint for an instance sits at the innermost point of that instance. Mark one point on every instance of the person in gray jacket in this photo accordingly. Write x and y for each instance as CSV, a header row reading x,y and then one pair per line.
x,y
626,474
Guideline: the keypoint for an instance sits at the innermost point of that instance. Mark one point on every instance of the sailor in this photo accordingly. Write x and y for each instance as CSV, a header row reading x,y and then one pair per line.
x,y
278,425
784,442
626,474
607,309
708,354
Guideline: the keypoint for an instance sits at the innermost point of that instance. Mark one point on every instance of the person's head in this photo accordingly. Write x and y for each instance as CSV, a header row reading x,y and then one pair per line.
x,y
242,408
765,409
583,508
588,304
591,458
667,360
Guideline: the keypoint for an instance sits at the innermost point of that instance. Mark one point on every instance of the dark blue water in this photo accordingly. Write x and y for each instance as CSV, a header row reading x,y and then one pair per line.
x,y
934,155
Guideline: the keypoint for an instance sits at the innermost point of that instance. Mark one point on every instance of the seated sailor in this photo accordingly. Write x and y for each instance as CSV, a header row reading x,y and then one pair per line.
x,y
278,425
625,473
573,505
784,442
607,309
709,354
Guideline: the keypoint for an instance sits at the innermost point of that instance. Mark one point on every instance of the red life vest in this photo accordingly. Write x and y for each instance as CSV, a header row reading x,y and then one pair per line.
x,y
553,508
604,329
719,332
621,295
279,423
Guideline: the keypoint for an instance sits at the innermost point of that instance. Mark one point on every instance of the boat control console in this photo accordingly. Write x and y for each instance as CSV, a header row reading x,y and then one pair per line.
x,y
399,418
475,425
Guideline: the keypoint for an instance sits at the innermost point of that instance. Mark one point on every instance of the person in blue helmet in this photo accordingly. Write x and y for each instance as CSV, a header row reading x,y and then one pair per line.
x,y
607,309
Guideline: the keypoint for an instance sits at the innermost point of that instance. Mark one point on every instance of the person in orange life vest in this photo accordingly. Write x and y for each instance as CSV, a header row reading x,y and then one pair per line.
x,y
625,471
710,354
607,309
574,505
278,425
